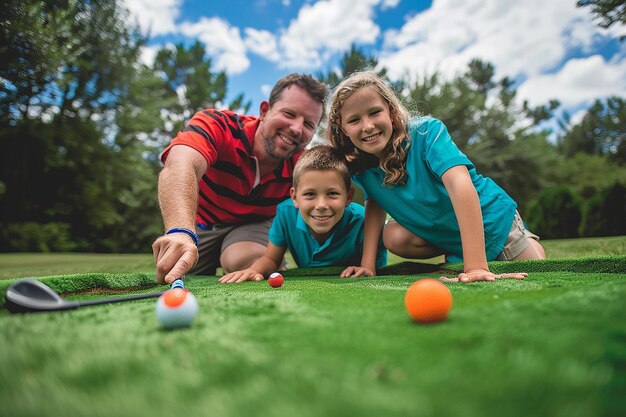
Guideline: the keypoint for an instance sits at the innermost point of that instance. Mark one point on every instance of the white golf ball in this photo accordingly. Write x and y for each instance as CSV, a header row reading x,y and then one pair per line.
x,y
176,308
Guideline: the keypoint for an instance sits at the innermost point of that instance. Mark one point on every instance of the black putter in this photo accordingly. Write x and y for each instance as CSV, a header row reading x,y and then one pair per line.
x,y
29,295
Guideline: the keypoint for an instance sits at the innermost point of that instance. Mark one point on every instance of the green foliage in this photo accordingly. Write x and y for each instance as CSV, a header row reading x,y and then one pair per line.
x,y
584,174
601,131
187,74
610,12
63,172
556,214
38,237
68,58
604,213
352,61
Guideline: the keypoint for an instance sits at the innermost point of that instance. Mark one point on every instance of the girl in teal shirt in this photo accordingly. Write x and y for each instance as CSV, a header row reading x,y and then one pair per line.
x,y
412,170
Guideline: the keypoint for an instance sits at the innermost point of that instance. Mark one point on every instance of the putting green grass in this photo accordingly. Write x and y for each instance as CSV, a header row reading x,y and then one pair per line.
x,y
553,344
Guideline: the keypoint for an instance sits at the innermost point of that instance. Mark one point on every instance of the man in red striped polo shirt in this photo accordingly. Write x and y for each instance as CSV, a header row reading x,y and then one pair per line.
x,y
223,176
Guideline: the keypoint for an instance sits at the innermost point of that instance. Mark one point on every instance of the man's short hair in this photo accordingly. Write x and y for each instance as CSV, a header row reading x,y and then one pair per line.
x,y
317,90
322,158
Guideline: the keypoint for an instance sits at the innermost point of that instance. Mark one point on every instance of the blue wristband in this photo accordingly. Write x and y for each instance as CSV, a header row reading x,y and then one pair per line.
x,y
188,232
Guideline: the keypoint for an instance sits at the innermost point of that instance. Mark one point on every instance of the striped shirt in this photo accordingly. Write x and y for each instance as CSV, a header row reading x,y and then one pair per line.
x,y
231,191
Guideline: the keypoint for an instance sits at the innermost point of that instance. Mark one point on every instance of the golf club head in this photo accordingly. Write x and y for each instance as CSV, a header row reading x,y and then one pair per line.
x,y
29,295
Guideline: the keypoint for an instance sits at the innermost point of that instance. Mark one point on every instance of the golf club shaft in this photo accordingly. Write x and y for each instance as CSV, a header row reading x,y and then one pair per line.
x,y
120,299
176,284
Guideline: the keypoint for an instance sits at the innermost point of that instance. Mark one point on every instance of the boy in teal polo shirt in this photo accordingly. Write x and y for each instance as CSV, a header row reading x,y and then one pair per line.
x,y
319,224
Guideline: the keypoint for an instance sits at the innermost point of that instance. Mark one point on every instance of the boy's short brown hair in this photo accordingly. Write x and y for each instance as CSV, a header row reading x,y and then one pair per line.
x,y
322,158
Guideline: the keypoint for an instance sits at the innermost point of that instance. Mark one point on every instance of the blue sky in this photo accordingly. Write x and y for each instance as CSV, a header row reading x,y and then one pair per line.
x,y
551,48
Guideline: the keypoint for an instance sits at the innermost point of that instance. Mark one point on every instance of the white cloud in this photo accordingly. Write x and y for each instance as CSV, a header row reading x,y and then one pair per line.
x,y
325,28
156,16
523,40
148,53
389,4
223,43
266,89
579,81
263,43
519,38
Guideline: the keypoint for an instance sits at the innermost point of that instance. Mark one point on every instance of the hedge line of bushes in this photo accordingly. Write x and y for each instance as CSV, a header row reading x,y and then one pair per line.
x,y
558,213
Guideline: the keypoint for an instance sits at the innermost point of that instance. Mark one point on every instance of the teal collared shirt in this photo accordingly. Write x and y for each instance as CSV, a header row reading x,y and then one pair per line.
x,y
423,205
344,246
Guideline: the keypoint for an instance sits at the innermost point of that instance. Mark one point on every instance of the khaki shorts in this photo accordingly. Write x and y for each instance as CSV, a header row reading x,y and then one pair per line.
x,y
219,237
517,242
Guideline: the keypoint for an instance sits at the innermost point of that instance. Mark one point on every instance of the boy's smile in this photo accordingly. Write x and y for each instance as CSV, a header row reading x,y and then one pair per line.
x,y
321,198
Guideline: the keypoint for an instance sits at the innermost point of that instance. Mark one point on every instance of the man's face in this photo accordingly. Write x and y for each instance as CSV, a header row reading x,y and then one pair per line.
x,y
288,126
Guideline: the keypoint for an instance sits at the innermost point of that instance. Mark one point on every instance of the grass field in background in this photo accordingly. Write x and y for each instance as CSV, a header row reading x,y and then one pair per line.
x,y
553,344
14,265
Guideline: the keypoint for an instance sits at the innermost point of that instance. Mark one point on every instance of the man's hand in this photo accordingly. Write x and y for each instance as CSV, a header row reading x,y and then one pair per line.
x,y
483,275
241,276
357,271
174,255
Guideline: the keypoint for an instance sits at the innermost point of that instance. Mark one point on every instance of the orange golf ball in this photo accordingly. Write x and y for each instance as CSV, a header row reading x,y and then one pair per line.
x,y
428,301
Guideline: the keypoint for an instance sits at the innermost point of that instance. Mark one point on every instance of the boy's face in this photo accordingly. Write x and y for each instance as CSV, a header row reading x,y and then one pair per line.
x,y
321,197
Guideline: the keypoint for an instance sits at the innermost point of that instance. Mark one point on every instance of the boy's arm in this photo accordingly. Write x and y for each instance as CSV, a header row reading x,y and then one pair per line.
x,y
261,268
373,226
469,216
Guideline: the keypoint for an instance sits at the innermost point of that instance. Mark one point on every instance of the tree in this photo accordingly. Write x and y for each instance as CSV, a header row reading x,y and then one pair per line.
x,y
600,132
187,73
61,164
604,213
610,12
584,174
352,61
36,38
556,214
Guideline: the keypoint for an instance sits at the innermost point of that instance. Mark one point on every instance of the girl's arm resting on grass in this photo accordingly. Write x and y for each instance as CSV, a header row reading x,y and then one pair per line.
x,y
176,253
261,268
373,227
469,216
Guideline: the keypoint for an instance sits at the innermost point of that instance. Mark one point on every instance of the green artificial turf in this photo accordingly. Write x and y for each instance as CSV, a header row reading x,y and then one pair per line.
x,y
551,345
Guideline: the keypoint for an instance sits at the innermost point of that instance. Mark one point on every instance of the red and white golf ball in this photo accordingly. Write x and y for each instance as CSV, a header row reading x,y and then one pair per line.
x,y
276,280
176,308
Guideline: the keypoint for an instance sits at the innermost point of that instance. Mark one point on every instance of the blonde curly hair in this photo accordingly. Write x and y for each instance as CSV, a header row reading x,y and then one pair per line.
x,y
392,160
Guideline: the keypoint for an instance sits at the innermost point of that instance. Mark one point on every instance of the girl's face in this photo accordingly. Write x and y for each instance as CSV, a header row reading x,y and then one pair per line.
x,y
366,120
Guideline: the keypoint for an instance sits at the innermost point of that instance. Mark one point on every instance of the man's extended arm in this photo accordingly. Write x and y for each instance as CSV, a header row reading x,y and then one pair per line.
x,y
176,253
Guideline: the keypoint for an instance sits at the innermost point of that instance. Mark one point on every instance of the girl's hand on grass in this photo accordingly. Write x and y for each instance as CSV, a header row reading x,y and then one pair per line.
x,y
241,276
483,275
357,271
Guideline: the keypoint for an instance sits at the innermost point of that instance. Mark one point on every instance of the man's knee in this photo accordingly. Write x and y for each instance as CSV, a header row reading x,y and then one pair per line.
x,y
240,255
